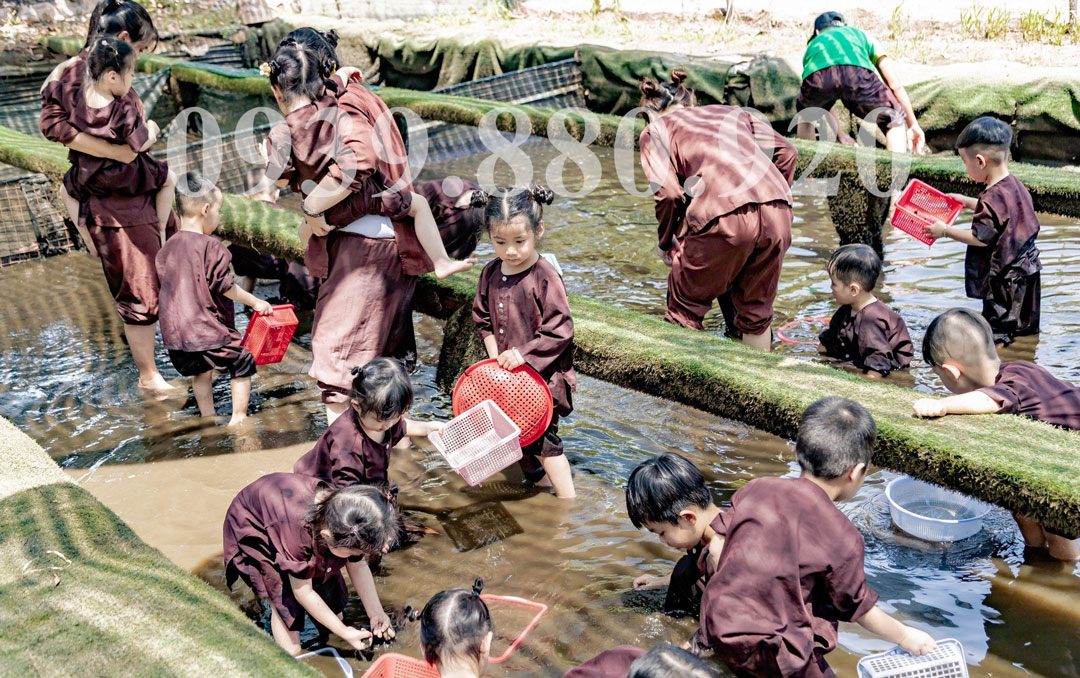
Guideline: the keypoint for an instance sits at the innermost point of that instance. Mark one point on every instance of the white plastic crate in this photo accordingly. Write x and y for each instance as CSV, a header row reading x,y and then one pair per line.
x,y
933,513
947,661
479,442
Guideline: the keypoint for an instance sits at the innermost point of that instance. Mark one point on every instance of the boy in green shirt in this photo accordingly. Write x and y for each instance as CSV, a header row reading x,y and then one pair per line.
x,y
841,62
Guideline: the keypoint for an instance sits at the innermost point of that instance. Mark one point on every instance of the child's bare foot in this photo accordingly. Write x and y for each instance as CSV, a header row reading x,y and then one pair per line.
x,y
237,421
448,267
155,383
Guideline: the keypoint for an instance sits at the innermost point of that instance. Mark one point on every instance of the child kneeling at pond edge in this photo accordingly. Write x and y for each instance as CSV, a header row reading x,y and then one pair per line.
x,y
456,632
523,316
864,331
959,347
196,300
288,536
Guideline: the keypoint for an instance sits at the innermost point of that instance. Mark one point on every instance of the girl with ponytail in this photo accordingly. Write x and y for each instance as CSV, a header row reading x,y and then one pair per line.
x,y
288,537
723,203
456,632
523,316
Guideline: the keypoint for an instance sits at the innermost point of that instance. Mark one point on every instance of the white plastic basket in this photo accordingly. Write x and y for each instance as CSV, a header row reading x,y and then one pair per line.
x,y
479,442
947,661
346,670
933,513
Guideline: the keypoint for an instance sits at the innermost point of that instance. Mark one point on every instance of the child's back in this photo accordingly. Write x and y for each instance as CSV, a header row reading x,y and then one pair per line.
x,y
194,274
792,566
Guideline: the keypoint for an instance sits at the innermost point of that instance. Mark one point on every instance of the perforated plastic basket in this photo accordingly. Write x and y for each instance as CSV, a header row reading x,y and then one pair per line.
x,y
393,665
933,513
479,443
268,336
947,661
521,393
346,670
494,602
921,205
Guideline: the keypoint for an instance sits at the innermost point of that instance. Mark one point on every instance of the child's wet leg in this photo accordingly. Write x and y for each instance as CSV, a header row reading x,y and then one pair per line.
x,y
202,385
286,639
240,387
558,476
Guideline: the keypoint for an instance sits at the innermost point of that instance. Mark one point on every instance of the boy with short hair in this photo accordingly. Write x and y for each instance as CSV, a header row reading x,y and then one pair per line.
x,y
864,331
959,346
841,62
197,294
667,496
790,564
1002,262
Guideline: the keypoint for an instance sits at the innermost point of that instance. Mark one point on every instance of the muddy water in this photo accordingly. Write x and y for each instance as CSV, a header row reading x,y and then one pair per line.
x,y
65,377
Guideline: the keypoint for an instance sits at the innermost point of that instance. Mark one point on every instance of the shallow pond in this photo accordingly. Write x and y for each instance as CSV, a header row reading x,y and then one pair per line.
x,y
66,379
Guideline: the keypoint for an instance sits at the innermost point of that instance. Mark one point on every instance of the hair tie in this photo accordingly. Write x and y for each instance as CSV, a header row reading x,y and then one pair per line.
x,y
477,587
356,370
264,69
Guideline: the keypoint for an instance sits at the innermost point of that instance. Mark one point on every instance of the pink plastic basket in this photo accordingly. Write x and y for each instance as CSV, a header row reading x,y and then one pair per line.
x,y
479,442
268,336
393,665
921,205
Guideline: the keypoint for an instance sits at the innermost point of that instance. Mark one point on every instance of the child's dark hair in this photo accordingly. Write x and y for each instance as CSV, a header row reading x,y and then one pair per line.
x,y
113,17
658,97
358,517
297,72
501,208
667,661
661,487
109,54
382,388
958,335
835,434
321,45
454,623
193,190
986,136
856,263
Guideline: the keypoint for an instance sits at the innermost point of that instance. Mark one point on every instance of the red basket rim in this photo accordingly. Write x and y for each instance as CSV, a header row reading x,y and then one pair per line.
x,y
524,369
796,321
388,657
247,330
540,608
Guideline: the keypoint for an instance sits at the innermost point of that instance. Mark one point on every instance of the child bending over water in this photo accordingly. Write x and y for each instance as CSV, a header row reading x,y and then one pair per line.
x,y
456,632
523,316
288,536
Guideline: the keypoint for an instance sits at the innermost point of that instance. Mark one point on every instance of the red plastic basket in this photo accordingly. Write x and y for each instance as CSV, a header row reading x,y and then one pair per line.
x,y
268,336
496,601
521,393
393,665
921,205
792,323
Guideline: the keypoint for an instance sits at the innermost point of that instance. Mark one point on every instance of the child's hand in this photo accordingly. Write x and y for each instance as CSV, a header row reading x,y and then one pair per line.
x,y
262,307
648,581
936,229
317,225
917,642
358,638
347,73
382,628
930,407
510,359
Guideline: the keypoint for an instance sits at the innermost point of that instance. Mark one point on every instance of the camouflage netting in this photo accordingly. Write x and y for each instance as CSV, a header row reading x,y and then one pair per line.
x,y
81,594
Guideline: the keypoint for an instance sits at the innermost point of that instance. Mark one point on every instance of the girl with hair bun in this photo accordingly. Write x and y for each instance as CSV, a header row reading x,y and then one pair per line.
x,y
288,536
723,199
523,316
456,632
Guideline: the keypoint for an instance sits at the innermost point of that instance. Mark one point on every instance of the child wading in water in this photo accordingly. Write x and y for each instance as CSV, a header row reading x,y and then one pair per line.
x,y
101,107
523,316
456,632
197,295
288,536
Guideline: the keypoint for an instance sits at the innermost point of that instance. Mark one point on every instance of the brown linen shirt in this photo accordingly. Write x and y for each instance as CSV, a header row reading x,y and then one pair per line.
x,y
614,663
195,314
529,311
345,455
1005,220
875,338
791,568
708,161
1029,390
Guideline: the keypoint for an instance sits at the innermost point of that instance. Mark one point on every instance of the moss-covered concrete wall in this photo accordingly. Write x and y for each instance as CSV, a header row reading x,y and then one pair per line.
x,y
81,594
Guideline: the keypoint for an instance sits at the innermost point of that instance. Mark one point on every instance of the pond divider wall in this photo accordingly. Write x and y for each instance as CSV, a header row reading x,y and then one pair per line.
x,y
81,594
1017,463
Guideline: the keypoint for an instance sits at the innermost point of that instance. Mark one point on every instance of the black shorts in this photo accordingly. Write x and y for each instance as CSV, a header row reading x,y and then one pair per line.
x,y
548,445
860,90
232,358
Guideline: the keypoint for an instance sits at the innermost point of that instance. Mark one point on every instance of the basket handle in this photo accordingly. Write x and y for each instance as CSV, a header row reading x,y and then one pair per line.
x,y
540,610
346,670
